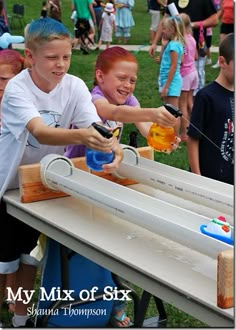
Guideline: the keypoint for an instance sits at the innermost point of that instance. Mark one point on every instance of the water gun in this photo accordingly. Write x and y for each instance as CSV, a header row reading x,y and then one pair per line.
x,y
219,229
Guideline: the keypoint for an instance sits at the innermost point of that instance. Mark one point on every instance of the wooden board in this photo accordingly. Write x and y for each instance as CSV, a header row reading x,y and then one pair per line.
x,y
32,188
225,276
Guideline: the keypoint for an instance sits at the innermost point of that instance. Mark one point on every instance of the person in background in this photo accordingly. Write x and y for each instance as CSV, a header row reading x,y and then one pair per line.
x,y
39,106
189,76
55,10
85,12
98,6
124,19
209,34
170,80
3,23
44,10
154,10
107,26
201,12
226,15
210,143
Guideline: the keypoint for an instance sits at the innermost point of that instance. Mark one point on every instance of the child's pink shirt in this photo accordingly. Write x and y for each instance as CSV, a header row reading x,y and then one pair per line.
x,y
188,64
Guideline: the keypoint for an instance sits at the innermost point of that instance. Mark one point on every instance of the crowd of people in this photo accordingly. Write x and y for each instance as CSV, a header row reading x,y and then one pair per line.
x,y
39,80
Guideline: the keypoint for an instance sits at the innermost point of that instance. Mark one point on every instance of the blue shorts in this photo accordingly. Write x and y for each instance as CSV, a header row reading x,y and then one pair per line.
x,y
174,88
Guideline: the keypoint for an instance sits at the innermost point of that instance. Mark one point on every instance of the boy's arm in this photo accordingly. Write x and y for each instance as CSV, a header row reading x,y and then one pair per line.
x,y
87,136
63,136
193,155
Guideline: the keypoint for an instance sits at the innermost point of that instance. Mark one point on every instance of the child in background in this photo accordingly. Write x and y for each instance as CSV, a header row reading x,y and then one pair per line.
x,y
189,76
55,10
210,143
11,63
98,6
170,80
124,19
44,10
107,25
39,106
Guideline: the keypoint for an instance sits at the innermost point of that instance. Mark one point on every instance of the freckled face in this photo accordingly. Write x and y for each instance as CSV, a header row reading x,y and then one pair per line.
x,y
119,83
50,62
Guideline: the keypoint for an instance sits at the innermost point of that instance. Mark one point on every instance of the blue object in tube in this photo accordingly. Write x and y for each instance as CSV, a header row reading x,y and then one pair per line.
x,y
94,158
219,237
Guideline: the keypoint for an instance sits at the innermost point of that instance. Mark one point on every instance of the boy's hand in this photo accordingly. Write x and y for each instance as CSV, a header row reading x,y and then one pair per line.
x,y
94,140
119,154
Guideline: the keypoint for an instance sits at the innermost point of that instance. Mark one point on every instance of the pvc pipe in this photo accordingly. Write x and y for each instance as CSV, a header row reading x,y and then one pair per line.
x,y
174,223
195,188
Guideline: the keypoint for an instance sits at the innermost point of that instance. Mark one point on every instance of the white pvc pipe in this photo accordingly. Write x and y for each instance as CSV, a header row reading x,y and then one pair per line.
x,y
195,188
175,223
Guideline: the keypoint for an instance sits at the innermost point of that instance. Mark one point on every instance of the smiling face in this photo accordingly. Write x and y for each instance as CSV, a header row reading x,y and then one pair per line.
x,y
119,82
49,63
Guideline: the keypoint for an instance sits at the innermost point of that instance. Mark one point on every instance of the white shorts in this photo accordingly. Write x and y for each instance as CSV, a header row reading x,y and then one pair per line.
x,y
155,20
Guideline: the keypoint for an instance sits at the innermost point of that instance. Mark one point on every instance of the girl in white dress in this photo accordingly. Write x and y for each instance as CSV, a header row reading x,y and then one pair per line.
x,y
107,25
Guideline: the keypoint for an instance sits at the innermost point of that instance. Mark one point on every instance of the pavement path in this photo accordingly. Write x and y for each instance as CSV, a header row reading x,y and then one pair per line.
x,y
135,48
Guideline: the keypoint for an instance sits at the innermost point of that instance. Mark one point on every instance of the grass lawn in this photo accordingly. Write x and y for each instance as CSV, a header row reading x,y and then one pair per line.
x,y
147,93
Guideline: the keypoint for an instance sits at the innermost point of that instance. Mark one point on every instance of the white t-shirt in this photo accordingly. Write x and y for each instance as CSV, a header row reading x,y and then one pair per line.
x,y
69,103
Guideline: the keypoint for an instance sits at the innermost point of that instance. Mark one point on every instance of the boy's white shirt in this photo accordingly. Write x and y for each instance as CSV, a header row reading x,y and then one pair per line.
x,y
69,102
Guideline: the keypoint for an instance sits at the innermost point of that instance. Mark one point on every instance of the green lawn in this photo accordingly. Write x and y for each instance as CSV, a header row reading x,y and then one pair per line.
x,y
147,94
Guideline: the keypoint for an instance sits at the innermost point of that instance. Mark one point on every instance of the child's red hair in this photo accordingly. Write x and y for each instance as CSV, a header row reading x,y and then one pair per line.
x,y
106,59
13,58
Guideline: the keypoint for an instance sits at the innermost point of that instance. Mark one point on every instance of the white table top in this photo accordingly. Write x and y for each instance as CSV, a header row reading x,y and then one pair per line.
x,y
174,273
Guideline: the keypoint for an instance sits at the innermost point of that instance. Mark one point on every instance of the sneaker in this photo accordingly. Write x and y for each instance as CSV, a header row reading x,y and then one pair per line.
x,y
208,61
216,66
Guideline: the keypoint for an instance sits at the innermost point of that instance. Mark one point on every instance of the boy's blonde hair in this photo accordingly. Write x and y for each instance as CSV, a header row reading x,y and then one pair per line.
x,y
44,30
177,23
